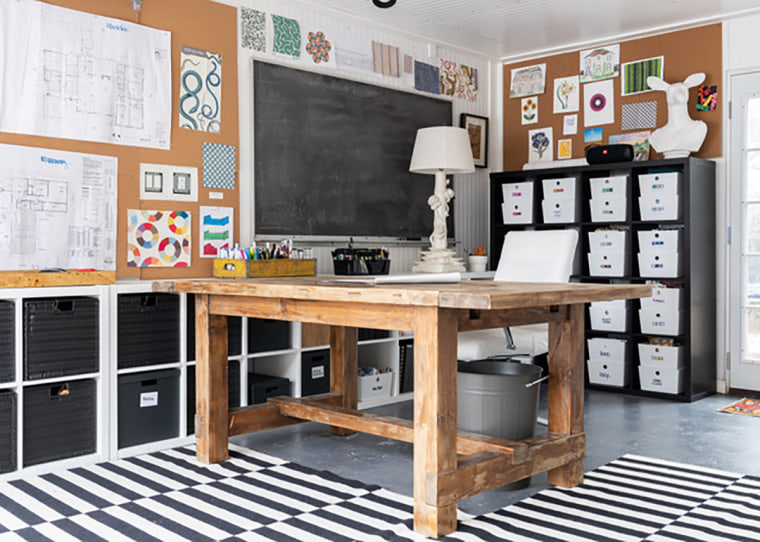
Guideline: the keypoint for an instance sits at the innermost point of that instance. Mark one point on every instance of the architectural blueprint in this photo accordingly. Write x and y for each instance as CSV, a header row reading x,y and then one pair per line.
x,y
74,75
57,209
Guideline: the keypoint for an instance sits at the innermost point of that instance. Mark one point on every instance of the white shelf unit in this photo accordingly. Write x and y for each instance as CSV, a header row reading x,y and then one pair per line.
x,y
22,388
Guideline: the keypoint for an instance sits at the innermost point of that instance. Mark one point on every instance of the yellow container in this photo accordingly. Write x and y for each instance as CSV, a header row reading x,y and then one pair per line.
x,y
281,267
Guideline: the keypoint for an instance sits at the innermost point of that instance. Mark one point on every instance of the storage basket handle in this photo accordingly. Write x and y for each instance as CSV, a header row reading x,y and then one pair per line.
x,y
63,305
59,390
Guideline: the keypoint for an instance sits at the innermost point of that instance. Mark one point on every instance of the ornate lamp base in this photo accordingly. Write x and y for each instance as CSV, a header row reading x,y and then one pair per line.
x,y
439,260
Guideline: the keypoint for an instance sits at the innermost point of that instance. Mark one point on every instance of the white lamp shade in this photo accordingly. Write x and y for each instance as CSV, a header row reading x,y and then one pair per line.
x,y
442,148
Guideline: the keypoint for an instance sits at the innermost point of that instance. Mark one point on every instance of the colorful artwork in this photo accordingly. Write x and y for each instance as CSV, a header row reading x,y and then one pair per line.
x,y
638,116
216,230
253,29
218,166
540,145
386,59
592,137
529,110
318,47
200,101
287,36
639,140
600,63
564,149
707,97
528,81
459,81
634,78
566,94
426,77
408,64
158,238
598,103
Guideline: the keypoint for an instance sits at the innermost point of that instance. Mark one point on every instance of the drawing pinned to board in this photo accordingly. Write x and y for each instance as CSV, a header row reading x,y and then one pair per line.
x,y
592,137
540,144
707,97
319,49
426,77
528,81
637,116
353,55
216,230
529,110
639,140
634,75
158,238
386,59
253,30
598,103
600,63
564,149
566,94
570,124
287,36
218,166
200,99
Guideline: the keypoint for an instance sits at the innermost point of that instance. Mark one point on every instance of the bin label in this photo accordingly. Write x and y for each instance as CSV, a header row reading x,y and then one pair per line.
x,y
317,371
149,399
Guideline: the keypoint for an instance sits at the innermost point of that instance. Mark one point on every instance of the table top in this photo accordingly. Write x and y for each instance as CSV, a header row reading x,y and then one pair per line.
x,y
466,294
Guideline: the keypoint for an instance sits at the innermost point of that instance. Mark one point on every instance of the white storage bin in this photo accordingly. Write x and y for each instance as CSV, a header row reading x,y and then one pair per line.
x,y
608,373
607,241
517,192
559,210
608,315
606,349
374,386
663,357
660,240
559,188
608,187
663,299
660,322
606,264
611,209
659,207
661,380
517,213
659,183
659,264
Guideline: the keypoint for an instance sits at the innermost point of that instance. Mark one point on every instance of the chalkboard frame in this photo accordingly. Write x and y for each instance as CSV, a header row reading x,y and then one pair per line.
x,y
285,202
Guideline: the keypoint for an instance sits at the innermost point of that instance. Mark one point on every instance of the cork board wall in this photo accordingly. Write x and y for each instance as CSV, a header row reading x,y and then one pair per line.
x,y
685,52
201,24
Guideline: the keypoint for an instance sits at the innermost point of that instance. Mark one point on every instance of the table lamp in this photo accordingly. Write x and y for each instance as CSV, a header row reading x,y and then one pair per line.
x,y
440,150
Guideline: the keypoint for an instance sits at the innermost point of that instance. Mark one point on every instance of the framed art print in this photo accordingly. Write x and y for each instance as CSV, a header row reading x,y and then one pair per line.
x,y
477,129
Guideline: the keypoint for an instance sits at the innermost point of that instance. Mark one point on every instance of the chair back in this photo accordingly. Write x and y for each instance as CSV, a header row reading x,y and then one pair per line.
x,y
537,256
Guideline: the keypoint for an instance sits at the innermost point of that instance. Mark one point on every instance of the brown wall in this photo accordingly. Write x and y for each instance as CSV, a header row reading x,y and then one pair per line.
x,y
686,52
201,24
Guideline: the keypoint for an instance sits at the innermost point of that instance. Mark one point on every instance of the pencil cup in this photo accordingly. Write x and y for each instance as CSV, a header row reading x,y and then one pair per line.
x,y
478,263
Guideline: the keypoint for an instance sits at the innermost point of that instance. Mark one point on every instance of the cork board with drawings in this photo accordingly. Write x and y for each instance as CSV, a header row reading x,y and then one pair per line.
x,y
683,52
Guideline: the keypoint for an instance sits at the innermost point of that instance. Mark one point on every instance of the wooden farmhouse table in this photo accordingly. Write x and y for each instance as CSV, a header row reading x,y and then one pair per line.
x,y
448,465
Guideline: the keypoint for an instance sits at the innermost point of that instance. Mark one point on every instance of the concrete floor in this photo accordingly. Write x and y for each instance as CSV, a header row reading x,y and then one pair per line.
x,y
615,424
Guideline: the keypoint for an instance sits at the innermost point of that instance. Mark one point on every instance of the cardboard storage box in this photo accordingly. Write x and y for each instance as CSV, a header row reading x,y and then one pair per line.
x,y
656,355
660,322
660,183
609,315
148,407
262,387
609,187
661,380
377,385
609,209
608,372
315,372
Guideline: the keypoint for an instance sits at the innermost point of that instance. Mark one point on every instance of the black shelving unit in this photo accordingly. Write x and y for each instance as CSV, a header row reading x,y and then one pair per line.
x,y
696,277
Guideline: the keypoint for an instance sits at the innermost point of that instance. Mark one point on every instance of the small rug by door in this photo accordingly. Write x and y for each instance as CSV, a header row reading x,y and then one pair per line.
x,y
750,407
168,496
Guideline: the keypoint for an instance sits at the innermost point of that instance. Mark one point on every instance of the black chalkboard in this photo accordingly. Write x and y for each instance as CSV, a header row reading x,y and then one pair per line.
x,y
332,156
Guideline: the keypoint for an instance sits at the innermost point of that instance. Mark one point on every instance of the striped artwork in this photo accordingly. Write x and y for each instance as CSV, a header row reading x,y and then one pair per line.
x,y
168,496
386,59
634,75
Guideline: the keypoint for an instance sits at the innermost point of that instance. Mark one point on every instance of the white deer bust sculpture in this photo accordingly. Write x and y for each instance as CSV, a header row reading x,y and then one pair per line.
x,y
682,135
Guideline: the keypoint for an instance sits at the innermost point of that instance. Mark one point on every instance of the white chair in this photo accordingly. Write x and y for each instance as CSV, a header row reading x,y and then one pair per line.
x,y
526,256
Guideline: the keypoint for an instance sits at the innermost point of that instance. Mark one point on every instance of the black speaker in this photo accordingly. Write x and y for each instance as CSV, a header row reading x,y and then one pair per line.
x,y
605,154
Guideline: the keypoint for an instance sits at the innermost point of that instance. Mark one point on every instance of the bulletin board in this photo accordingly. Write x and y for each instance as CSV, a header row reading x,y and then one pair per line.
x,y
685,52
188,23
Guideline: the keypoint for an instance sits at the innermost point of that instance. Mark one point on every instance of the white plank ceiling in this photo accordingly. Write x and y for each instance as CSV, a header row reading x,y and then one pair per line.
x,y
510,29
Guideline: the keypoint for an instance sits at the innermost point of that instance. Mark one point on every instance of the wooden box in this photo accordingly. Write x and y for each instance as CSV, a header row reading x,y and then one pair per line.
x,y
282,267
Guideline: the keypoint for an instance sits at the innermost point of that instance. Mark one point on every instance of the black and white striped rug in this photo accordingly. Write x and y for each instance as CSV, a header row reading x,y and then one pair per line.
x,y
168,496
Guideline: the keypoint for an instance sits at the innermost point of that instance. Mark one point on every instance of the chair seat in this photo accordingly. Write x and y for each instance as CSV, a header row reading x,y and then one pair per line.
x,y
484,343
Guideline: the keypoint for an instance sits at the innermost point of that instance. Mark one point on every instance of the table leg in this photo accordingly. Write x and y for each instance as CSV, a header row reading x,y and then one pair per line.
x,y
435,417
565,395
211,402
343,369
